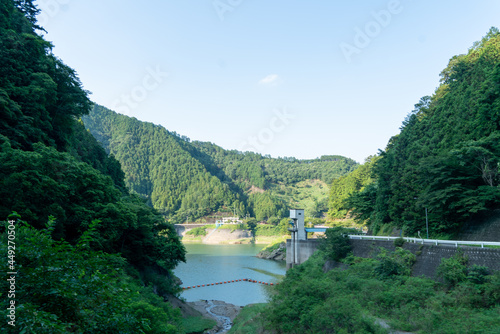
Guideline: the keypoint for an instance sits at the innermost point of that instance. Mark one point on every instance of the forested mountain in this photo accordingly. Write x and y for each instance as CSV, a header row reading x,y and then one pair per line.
x,y
86,252
183,179
344,188
446,157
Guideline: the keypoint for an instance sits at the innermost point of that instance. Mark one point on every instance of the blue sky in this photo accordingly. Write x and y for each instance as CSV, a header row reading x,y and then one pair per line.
x,y
285,78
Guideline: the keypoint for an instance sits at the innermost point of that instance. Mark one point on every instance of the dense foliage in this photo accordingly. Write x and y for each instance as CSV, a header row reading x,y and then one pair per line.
x,y
336,243
345,187
353,300
183,179
40,96
64,288
50,166
447,155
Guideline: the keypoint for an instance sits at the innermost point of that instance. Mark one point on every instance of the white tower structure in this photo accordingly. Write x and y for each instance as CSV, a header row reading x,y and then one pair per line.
x,y
298,233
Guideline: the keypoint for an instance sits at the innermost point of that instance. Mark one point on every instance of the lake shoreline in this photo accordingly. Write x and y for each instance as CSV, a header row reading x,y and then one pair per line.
x,y
260,240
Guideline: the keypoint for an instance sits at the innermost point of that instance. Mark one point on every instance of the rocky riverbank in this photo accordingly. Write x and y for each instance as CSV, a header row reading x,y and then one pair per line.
x,y
222,312
276,253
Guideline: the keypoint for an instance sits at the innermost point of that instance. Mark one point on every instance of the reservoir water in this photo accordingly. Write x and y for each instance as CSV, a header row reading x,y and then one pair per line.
x,y
206,264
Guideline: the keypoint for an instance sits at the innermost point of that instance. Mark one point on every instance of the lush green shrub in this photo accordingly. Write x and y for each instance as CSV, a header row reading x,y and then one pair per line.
x,y
453,270
336,243
478,274
394,263
399,242
73,289
346,301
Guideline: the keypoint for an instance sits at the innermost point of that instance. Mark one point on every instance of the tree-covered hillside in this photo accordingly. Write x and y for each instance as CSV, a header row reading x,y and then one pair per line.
x,y
184,179
86,252
446,158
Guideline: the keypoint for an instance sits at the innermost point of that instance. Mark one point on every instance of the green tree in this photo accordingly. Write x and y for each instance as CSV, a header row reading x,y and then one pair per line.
x,y
336,244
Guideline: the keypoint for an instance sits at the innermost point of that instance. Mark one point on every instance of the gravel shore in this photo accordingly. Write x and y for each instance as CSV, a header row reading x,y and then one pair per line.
x,y
222,312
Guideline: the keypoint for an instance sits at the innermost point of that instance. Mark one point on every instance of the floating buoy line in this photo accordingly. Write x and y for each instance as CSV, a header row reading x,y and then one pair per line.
x,y
228,282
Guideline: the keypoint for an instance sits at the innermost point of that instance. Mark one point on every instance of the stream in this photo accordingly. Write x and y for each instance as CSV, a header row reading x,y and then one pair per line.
x,y
227,323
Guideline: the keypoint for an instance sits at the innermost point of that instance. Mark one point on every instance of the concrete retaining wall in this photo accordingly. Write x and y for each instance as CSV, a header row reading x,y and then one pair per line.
x,y
428,256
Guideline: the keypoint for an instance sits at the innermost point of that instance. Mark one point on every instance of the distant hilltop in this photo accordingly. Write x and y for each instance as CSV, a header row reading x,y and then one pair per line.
x,y
188,180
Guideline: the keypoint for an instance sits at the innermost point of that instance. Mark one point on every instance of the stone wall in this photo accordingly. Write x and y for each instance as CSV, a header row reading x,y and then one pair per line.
x,y
428,256
484,227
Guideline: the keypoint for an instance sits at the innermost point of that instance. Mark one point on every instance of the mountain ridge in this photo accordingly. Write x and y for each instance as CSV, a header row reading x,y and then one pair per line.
x,y
183,178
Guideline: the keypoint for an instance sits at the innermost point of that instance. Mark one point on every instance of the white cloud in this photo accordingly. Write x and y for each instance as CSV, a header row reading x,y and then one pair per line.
x,y
271,80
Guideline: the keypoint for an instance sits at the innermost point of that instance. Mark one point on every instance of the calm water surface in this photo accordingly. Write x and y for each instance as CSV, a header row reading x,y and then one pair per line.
x,y
207,264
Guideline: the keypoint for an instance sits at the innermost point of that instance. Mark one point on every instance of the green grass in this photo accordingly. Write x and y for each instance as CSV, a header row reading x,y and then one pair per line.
x,y
197,324
275,244
233,227
249,321
197,231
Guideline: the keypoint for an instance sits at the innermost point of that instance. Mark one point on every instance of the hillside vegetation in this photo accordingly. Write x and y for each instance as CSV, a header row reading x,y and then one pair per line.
x,y
444,161
88,254
370,295
184,179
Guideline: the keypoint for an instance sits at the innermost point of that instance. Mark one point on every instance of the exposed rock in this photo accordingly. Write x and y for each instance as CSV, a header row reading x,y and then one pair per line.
x,y
186,309
279,254
222,312
226,236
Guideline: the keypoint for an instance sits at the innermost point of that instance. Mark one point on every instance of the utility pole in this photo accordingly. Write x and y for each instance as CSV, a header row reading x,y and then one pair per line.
x,y
426,222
